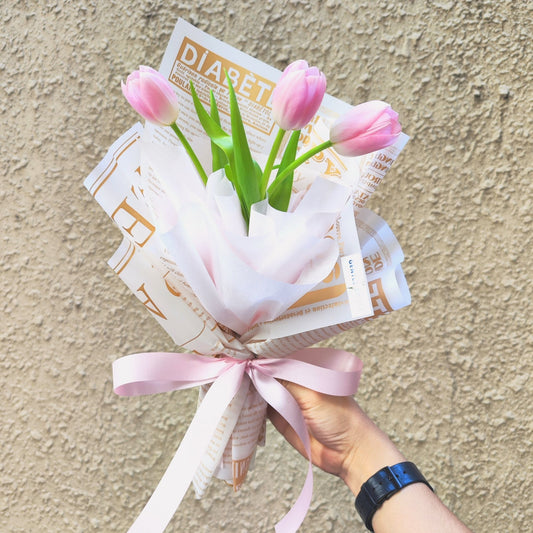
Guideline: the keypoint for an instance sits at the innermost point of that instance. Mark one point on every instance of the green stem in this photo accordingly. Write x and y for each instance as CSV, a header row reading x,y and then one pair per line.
x,y
190,151
297,162
270,162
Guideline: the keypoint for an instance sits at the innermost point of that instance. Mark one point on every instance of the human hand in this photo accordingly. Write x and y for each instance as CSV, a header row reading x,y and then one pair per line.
x,y
344,441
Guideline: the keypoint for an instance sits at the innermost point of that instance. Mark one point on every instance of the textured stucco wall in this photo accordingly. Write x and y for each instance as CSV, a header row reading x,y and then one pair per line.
x,y
448,378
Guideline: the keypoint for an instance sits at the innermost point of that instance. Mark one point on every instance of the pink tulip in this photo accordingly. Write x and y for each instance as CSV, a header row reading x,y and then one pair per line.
x,y
298,95
152,96
365,128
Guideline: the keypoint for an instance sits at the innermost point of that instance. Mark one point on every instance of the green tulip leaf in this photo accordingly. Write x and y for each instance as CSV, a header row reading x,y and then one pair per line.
x,y
258,171
279,192
244,168
229,174
222,139
218,156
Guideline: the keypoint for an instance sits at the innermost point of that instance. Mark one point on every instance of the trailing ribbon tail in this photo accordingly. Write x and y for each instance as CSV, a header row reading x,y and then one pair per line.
x,y
170,491
282,401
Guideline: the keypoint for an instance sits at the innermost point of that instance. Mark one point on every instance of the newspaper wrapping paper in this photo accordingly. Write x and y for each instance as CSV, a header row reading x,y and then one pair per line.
x,y
366,282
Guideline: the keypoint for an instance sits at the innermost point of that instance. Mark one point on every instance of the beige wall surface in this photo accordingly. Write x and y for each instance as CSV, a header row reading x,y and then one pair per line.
x,y
449,378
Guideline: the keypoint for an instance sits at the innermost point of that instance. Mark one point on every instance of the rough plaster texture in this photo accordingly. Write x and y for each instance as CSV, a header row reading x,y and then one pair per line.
x,y
448,378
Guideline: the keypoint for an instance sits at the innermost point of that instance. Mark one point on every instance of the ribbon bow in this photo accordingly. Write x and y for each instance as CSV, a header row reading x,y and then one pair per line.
x,y
324,370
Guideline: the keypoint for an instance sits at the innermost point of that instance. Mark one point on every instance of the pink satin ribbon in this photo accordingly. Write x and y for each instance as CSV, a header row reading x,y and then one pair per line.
x,y
324,370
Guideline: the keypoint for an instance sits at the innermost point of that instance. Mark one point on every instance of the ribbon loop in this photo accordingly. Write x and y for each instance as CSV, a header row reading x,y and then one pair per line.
x,y
324,370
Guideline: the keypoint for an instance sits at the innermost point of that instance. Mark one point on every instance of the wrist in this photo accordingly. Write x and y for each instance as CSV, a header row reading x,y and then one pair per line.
x,y
373,451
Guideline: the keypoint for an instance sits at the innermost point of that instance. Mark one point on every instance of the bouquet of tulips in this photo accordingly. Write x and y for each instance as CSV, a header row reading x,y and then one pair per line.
x,y
222,242
247,247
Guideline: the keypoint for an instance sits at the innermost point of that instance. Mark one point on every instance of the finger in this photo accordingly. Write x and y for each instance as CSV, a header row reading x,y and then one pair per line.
x,y
304,397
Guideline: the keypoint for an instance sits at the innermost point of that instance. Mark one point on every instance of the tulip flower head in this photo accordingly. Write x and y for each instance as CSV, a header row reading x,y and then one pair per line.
x,y
365,128
298,95
152,96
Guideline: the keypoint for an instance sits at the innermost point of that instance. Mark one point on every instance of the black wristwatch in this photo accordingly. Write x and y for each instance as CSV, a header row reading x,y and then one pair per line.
x,y
382,485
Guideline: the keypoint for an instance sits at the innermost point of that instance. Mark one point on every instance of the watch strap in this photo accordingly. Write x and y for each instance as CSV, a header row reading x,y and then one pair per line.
x,y
382,485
